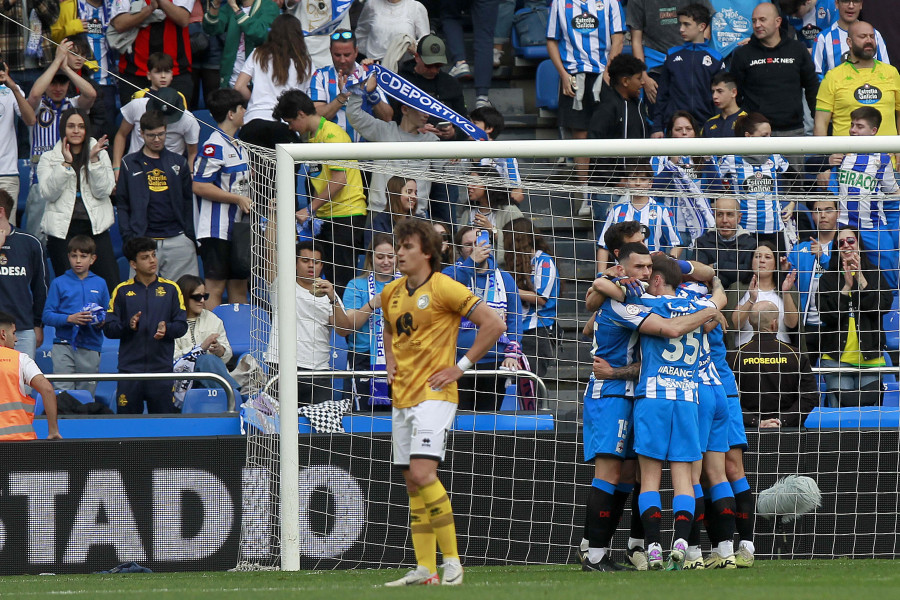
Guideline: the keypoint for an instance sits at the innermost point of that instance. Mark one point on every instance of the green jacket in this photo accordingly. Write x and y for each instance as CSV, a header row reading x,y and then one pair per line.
x,y
254,26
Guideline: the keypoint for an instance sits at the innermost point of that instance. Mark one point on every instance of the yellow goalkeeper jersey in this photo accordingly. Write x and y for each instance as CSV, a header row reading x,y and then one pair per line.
x,y
424,325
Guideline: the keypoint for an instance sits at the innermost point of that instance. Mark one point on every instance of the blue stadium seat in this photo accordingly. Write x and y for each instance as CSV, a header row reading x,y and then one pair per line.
x,y
891,325
82,396
24,186
338,362
205,400
115,237
124,268
42,353
891,395
547,86
106,390
511,399
527,52
207,123
238,322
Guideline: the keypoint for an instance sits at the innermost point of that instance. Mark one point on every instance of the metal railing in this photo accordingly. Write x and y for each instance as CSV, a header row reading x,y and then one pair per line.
x,y
542,387
229,392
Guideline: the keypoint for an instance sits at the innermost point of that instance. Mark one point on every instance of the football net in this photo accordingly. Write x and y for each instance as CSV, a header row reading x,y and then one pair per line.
x,y
328,497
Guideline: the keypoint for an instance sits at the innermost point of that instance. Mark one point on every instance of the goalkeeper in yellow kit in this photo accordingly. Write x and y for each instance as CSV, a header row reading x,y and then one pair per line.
x,y
422,312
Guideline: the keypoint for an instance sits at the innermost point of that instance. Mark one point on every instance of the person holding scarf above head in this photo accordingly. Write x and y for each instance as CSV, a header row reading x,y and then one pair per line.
x,y
362,302
478,270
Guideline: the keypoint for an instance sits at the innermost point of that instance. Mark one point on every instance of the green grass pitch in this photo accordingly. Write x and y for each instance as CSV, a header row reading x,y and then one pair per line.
x,y
767,580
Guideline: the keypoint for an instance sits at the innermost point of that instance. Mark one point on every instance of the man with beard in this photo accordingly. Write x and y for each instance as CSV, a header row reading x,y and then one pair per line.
x,y
833,43
862,80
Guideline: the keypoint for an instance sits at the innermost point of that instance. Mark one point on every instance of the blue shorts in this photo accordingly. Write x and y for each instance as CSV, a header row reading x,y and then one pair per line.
x,y
737,434
607,429
667,429
714,418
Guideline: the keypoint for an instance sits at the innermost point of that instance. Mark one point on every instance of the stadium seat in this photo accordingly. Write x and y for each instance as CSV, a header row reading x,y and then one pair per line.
x,y
511,399
238,323
24,186
82,396
891,325
42,353
338,362
204,400
124,268
207,123
527,52
115,237
547,86
106,390
891,395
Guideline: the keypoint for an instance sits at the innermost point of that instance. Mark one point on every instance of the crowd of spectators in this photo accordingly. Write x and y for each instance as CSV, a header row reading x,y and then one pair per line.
x,y
130,72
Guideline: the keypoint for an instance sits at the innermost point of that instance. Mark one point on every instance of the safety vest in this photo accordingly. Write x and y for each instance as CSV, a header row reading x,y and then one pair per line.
x,y
16,409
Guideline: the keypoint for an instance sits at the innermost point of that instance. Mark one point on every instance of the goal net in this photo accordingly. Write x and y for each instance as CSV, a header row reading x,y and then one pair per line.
x,y
326,495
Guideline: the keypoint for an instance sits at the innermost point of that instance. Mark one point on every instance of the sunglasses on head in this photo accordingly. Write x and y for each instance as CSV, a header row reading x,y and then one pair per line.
x,y
847,241
199,297
342,35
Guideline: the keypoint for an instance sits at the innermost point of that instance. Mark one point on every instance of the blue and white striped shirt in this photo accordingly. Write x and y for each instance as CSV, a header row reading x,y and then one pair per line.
x,y
758,187
616,341
546,284
707,372
814,22
831,45
223,164
97,18
45,131
584,30
863,180
656,217
323,87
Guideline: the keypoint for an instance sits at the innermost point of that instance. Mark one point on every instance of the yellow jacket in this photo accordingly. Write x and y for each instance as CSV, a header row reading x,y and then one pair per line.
x,y
68,22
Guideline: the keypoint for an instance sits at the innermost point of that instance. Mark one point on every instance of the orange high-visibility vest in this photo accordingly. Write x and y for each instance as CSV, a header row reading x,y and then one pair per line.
x,y
16,409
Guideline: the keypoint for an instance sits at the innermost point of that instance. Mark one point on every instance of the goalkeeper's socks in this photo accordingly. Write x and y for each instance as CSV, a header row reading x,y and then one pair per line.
x,y
599,513
725,509
683,508
437,503
699,514
637,524
651,514
746,508
422,534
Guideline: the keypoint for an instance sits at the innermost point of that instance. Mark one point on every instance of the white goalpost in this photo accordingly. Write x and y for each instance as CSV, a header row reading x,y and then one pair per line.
x,y
285,448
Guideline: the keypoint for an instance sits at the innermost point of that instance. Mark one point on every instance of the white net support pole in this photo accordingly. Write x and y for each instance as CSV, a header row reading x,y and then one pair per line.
x,y
287,349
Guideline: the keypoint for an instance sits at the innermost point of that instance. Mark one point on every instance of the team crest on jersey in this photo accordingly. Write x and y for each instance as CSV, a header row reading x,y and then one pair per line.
x,y
176,169
160,292
123,401
632,309
821,12
3,260
653,214
423,301
45,116
707,61
867,94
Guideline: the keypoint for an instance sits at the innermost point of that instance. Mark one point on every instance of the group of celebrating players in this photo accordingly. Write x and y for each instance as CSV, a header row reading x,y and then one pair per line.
x,y
661,390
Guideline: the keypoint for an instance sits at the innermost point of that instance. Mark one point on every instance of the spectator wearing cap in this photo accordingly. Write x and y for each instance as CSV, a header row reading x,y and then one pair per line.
x,y
424,71
773,73
382,21
155,200
326,89
157,26
182,128
49,101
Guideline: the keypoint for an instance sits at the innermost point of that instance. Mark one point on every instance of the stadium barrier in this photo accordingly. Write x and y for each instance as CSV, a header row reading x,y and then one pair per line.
x,y
178,504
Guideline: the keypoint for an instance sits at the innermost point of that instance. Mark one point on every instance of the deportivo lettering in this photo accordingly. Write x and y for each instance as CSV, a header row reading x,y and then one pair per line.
x,y
867,94
776,60
857,179
14,271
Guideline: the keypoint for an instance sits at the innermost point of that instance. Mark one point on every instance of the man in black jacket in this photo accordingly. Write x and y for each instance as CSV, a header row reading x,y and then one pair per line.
x,y
775,381
728,248
620,115
774,73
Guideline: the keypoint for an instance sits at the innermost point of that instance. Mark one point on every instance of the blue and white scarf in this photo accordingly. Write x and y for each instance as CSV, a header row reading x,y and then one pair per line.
x,y
378,386
493,293
338,9
692,206
403,91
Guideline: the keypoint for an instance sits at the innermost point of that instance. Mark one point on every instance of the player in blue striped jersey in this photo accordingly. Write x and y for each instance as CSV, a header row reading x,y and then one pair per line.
x,y
222,189
831,45
868,196
640,207
326,88
608,403
715,418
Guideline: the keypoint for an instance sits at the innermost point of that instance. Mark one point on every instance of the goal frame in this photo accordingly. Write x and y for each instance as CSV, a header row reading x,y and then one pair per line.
x,y
287,155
